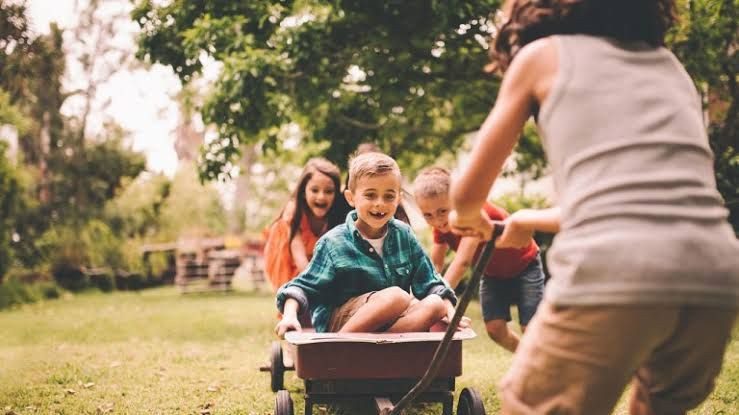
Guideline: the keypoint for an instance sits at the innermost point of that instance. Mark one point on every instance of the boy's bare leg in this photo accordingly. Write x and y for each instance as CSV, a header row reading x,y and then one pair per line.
x,y
500,333
381,309
420,315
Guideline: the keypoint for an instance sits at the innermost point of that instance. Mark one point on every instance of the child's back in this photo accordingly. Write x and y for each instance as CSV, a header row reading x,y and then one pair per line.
x,y
623,130
645,268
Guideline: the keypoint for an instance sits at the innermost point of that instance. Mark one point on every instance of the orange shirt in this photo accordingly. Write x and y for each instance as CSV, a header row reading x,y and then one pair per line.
x,y
278,260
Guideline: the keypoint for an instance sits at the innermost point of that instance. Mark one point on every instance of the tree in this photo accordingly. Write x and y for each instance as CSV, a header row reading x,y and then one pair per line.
x,y
10,204
404,74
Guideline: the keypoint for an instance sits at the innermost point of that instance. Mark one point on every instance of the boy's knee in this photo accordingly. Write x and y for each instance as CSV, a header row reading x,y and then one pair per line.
x,y
396,297
436,305
497,329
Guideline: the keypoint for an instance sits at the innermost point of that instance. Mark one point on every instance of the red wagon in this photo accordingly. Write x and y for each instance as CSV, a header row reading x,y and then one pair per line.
x,y
337,367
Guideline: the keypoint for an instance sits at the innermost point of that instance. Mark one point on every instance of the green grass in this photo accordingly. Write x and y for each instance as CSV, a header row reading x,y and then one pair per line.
x,y
157,352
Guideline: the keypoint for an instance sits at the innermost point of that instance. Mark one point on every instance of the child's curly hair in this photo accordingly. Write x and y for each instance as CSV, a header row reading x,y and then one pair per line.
x,y
623,20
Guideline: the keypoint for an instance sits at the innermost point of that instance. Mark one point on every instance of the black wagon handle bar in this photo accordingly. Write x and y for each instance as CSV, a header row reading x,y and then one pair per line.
x,y
459,311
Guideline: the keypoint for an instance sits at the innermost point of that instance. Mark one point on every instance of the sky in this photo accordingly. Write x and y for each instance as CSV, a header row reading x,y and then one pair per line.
x,y
140,100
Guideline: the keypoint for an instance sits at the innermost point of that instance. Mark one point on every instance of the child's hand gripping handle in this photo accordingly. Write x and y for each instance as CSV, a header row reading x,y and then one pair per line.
x,y
443,347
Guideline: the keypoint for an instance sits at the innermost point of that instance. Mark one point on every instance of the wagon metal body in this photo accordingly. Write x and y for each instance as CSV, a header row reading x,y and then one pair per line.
x,y
342,367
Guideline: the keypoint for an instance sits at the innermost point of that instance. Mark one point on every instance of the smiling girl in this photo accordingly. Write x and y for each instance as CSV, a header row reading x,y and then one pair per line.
x,y
311,211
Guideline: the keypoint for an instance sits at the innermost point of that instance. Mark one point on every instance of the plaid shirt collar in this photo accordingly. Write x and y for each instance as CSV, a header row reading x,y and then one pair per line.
x,y
351,219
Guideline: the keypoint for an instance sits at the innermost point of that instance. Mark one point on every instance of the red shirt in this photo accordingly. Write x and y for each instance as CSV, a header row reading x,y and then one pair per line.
x,y
506,262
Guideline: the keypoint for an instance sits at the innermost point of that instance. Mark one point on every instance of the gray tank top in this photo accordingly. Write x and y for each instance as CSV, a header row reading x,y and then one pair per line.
x,y
642,221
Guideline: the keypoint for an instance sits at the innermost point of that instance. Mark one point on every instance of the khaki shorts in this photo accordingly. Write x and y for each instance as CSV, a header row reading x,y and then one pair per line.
x,y
578,360
345,311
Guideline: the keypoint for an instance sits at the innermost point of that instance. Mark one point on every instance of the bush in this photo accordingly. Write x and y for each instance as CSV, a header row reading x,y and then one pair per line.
x,y
103,281
128,281
14,292
69,276
49,290
136,282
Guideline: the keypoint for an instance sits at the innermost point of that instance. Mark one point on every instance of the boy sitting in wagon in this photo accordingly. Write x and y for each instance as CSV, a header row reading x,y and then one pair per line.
x,y
362,271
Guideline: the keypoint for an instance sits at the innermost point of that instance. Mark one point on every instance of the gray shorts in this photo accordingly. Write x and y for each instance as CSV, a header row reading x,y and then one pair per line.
x,y
526,289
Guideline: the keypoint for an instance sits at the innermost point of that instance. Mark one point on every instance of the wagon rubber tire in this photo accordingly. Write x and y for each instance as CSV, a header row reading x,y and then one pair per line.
x,y
470,403
277,367
283,403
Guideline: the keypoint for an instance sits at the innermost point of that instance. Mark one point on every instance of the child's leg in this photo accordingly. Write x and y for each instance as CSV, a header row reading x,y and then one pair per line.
x,y
380,309
420,315
680,373
499,331
531,291
495,299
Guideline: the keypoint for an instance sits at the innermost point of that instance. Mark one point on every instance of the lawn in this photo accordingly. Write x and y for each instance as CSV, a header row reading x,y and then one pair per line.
x,y
157,352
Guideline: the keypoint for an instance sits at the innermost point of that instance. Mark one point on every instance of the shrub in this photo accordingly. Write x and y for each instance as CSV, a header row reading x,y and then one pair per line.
x,y
129,281
69,276
49,290
102,280
15,292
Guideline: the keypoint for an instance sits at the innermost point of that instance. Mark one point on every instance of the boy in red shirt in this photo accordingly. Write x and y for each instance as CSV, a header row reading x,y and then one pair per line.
x,y
511,276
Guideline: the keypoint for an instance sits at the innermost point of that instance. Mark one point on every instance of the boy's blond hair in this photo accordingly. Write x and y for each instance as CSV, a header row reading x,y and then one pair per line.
x,y
369,165
432,182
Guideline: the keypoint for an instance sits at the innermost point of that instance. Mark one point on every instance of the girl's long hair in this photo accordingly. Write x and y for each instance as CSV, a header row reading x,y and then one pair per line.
x,y
623,20
312,167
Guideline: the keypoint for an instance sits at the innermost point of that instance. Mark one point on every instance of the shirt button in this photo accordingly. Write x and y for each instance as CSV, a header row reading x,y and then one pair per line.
x,y
372,250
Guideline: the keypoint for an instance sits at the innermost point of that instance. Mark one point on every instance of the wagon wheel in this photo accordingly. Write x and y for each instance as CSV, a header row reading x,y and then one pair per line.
x,y
470,403
283,403
277,368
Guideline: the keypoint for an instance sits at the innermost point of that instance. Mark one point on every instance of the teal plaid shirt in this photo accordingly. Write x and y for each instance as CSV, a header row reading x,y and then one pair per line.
x,y
345,265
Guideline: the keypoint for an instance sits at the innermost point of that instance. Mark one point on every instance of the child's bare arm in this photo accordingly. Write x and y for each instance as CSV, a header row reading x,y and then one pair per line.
x,y
289,319
297,249
542,220
438,253
520,226
462,260
526,82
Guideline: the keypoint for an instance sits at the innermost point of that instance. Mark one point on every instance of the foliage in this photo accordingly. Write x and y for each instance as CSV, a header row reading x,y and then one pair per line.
x,y
71,251
191,209
14,292
512,202
11,114
69,276
10,205
136,211
102,280
529,161
406,75
66,179
82,180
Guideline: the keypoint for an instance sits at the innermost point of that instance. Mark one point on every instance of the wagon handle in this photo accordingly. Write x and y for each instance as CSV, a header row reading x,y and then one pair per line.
x,y
443,347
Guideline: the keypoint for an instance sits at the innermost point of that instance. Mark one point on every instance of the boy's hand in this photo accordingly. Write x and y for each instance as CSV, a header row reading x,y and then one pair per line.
x,y
479,226
288,323
463,323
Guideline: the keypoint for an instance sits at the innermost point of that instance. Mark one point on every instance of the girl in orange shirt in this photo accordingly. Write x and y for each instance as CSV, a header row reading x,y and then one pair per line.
x,y
311,211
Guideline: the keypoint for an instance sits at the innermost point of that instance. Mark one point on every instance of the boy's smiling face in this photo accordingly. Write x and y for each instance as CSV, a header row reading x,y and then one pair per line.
x,y
376,199
436,211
